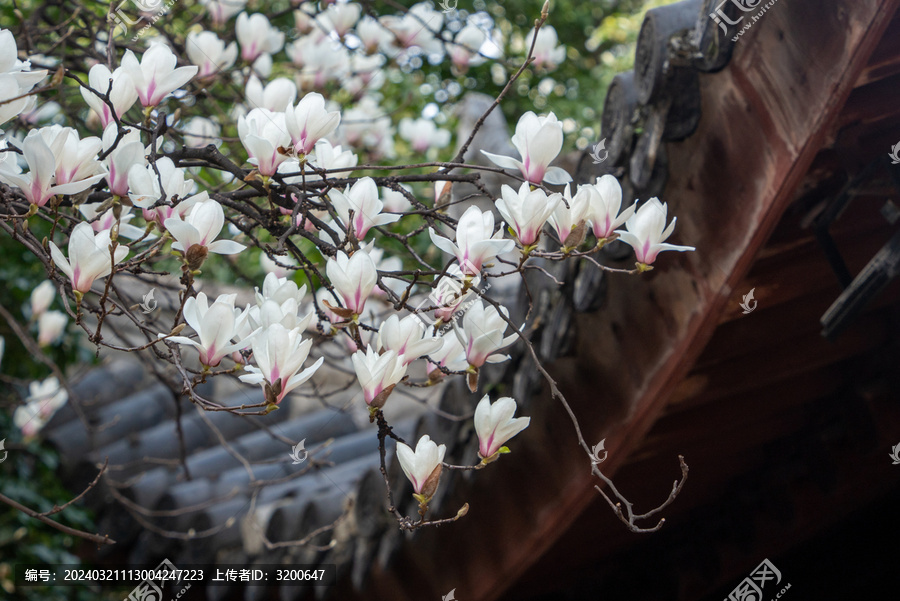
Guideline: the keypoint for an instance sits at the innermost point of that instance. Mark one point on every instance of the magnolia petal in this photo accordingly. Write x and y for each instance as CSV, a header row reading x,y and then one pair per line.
x,y
225,247
503,161
557,176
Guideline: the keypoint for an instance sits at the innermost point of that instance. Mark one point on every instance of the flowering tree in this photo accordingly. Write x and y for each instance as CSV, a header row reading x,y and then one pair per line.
x,y
161,136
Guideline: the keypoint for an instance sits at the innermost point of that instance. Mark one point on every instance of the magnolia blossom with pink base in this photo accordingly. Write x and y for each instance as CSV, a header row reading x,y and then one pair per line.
x,y
646,230
89,257
538,140
475,241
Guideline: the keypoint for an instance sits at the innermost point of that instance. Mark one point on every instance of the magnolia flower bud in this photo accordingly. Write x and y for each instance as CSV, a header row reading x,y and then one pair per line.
x,y
422,466
41,297
51,326
195,256
495,424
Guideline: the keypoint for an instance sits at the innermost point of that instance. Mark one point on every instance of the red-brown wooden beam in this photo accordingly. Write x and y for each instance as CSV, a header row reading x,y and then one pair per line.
x,y
764,119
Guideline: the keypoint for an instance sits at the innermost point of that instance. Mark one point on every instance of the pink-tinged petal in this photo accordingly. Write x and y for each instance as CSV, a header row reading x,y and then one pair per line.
x,y
61,262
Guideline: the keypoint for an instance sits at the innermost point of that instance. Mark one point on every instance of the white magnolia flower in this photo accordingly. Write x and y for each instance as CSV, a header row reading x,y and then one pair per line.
x,y
546,52
10,63
646,231
395,201
9,89
261,67
89,257
367,126
41,297
422,467
144,183
262,133
423,134
276,266
128,152
286,313
340,17
257,36
372,34
303,50
377,374
328,156
280,289
475,241
464,52
304,21
216,326
16,79
276,96
353,279
155,76
122,93
200,132
362,199
569,222
447,294
76,158
279,354
200,228
605,204
482,334
209,53
416,27
107,220
538,140
407,338
527,210
310,121
495,424
451,355
44,399
222,10
367,74
51,326
39,184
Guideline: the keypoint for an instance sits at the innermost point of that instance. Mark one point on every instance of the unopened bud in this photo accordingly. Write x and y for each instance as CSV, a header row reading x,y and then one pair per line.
x,y
576,236
195,256
177,329
431,483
